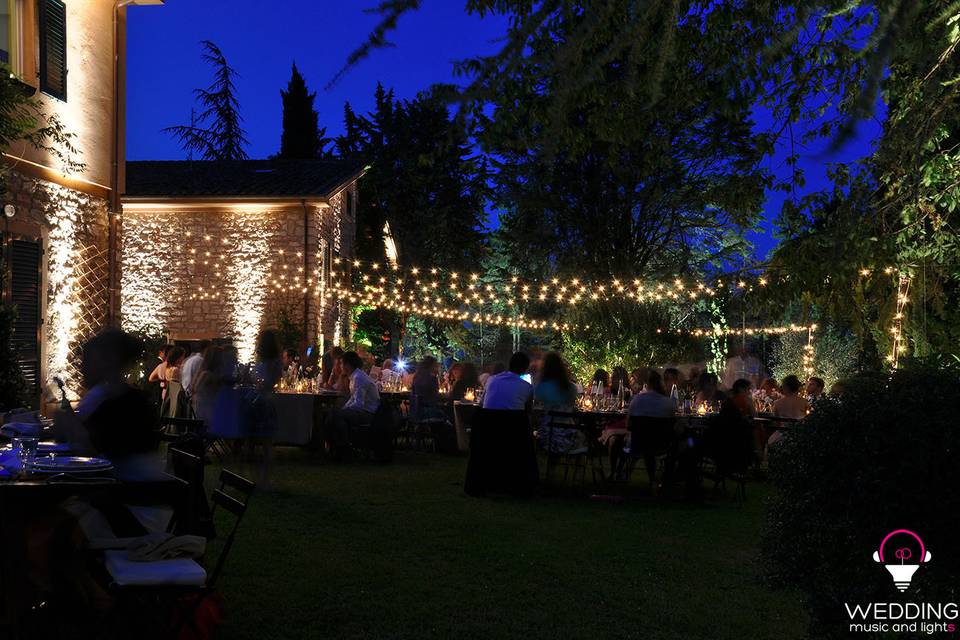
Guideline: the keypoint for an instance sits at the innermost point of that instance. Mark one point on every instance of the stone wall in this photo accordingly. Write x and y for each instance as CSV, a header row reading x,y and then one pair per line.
x,y
228,272
74,229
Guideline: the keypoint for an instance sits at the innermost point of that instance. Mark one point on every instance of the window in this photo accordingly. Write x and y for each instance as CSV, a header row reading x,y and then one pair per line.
x,y
53,47
7,33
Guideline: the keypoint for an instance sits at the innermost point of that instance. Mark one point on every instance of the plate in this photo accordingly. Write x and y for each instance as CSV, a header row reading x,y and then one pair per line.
x,y
71,463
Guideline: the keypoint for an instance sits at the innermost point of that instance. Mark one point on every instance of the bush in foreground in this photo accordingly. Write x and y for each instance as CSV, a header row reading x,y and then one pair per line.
x,y
882,458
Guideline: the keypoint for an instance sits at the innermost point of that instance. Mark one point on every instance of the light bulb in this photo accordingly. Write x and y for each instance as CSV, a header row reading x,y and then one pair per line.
x,y
898,564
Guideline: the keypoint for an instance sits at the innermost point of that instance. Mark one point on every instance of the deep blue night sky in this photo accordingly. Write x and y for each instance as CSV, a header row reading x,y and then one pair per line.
x,y
261,39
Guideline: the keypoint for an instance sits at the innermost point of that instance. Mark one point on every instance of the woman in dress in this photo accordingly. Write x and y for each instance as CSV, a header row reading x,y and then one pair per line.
x,y
555,392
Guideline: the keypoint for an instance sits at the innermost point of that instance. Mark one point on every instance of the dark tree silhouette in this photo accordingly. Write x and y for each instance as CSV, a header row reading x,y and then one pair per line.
x,y
216,133
301,137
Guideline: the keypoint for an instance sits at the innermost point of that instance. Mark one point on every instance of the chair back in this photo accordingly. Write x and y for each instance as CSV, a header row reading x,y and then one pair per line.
x,y
193,515
503,457
233,495
651,435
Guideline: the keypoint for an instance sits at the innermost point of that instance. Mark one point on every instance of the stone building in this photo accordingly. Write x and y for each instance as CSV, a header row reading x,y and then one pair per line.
x,y
220,250
60,213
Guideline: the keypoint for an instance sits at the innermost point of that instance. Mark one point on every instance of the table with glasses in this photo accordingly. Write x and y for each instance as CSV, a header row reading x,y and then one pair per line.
x,y
37,474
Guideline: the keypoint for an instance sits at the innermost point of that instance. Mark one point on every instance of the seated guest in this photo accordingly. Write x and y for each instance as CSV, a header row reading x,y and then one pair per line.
x,y
815,388
707,390
491,370
507,391
326,364
114,419
467,379
336,381
638,379
290,360
556,392
601,380
740,398
791,404
620,380
671,379
732,439
361,405
837,388
653,401
425,390
453,373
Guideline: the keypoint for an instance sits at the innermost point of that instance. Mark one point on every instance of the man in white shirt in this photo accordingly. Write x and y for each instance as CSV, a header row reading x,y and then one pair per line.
x,y
359,408
191,367
507,391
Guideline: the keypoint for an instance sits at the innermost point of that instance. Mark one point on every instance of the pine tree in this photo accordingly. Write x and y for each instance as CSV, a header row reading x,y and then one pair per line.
x,y
301,137
217,133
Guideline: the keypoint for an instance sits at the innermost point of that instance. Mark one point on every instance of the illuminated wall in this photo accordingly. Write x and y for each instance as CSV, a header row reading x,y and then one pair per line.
x,y
73,228
228,271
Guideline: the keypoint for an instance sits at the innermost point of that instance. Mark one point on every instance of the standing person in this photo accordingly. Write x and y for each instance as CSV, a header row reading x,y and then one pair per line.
x,y
741,364
359,409
263,415
207,384
191,367
556,392
507,391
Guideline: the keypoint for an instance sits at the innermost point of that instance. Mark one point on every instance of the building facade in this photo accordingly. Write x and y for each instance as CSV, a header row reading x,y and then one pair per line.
x,y
221,250
60,213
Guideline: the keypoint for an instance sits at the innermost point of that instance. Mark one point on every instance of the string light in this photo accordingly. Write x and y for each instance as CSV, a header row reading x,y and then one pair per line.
x,y
897,347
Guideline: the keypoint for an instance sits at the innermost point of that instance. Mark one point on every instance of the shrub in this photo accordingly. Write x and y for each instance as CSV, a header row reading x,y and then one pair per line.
x,y
881,458
835,354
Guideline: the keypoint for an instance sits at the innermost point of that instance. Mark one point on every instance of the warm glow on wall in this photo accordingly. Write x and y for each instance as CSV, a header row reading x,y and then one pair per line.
x,y
246,282
62,303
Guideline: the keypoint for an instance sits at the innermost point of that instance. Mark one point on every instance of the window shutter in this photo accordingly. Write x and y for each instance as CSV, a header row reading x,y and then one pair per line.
x,y
25,262
53,47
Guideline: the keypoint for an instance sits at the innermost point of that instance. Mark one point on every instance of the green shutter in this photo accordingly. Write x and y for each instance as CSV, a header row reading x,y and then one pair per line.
x,y
53,47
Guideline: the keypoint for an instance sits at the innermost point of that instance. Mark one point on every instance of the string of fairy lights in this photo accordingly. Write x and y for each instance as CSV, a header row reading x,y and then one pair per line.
x,y
461,296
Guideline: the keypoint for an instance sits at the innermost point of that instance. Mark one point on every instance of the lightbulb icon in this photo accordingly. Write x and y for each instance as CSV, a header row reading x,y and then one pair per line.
x,y
902,572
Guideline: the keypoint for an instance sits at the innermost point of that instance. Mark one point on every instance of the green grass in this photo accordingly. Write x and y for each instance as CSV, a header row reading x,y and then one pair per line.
x,y
398,551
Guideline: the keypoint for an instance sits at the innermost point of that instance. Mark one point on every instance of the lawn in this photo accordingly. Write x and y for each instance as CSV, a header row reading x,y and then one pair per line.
x,y
398,551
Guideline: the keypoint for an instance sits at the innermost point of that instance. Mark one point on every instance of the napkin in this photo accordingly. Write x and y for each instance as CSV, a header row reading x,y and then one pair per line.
x,y
21,429
164,546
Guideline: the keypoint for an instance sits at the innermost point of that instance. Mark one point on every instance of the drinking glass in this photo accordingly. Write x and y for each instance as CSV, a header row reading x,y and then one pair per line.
x,y
26,448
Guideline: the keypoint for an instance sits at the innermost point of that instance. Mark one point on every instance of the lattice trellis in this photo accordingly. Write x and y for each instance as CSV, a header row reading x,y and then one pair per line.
x,y
92,278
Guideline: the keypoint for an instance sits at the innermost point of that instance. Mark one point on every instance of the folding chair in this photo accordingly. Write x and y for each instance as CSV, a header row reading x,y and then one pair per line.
x,y
171,590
